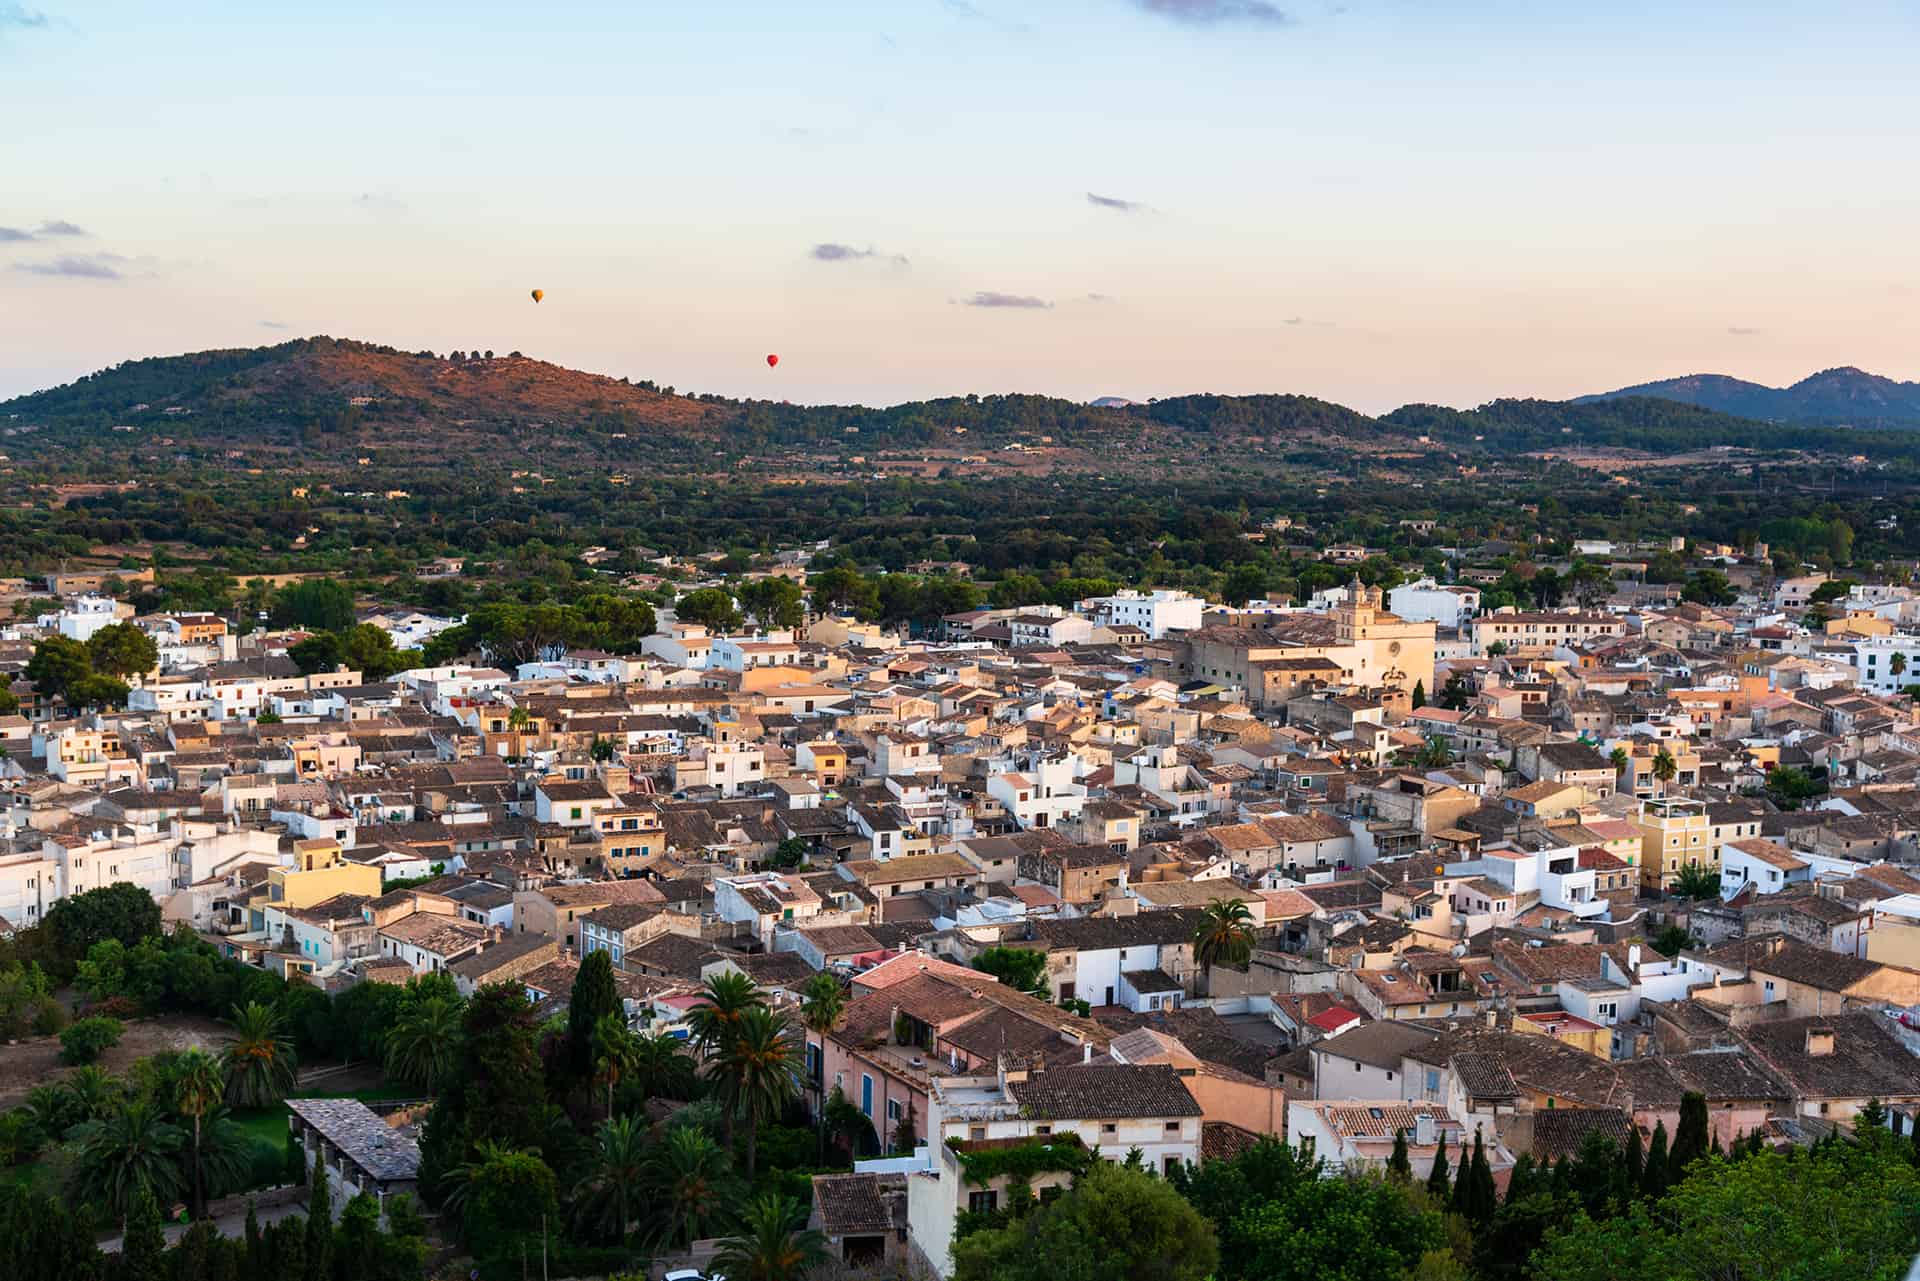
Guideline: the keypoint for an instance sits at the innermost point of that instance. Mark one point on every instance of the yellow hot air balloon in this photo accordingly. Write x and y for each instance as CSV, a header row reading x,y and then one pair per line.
x,y
538,294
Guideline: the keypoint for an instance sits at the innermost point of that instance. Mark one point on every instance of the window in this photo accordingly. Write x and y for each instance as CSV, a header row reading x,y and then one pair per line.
x,y
1109,1128
866,1095
982,1202
1173,1127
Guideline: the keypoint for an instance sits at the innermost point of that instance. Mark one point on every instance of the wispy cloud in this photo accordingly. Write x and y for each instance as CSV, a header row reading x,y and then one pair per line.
x,y
1299,321
993,298
51,228
1741,331
1214,13
1099,298
379,202
830,251
18,15
89,267
13,235
1099,201
60,227
274,324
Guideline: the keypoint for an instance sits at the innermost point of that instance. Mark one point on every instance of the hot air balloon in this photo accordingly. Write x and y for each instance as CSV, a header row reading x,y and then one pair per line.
x,y
538,294
772,360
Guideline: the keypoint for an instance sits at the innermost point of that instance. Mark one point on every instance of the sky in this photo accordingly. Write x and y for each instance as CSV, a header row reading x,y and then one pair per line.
x,y
1374,201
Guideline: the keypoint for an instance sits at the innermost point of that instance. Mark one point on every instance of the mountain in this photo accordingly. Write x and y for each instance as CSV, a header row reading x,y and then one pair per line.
x,y
1835,396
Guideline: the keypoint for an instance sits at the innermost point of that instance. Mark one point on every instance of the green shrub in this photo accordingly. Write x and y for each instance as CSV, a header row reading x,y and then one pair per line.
x,y
89,1038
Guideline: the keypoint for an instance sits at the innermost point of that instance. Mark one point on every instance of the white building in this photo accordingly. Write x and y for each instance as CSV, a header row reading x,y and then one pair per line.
x,y
1099,1109
1156,613
1886,664
1425,601
1043,795
85,615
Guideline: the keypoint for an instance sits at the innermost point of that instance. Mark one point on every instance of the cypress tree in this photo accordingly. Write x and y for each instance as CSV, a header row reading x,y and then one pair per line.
x,y
1462,1181
318,1265
1520,1184
1399,1167
1653,1181
1636,1160
1562,1178
1482,1197
1690,1138
143,1248
255,1258
593,995
1437,1182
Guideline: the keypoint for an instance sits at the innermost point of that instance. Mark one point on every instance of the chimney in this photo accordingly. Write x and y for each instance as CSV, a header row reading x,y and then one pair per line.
x,y
1423,1135
1633,958
1086,1051
1819,1041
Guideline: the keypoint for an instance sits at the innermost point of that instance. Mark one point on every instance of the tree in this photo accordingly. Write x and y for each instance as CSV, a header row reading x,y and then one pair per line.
x,y
315,604
57,664
143,1246
1708,587
95,690
1665,769
774,602
319,653
615,1052
1690,1137
1791,787
131,1150
1653,1178
423,1047
1115,1222
593,998
772,1243
1399,1166
1671,939
1897,664
616,1174
120,911
1021,968
691,1184
725,1001
663,1069
198,1087
1419,695
790,853
122,650
319,1234
756,1070
511,1197
711,607
1843,1213
1477,1197
1224,935
1619,759
260,1061
1437,1181
88,1039
1696,880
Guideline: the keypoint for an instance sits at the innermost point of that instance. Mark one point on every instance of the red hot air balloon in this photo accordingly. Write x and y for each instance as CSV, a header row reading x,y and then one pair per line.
x,y
772,361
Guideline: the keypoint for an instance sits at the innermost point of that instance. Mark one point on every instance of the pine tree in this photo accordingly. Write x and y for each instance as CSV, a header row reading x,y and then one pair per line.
x,y
1521,1183
1690,1137
1399,1167
318,1264
143,1248
1636,1160
1653,1181
1437,1182
1871,1118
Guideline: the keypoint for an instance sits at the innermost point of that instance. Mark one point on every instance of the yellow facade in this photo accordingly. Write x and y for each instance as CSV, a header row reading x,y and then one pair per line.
x,y
319,872
1674,834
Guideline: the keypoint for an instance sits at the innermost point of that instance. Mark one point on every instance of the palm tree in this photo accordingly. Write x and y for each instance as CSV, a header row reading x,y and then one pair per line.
x,y
1664,768
133,1149
1897,664
518,719
1224,935
725,1000
424,1046
198,1087
615,1051
614,1179
260,1062
691,1183
822,1003
92,1093
1619,759
663,1068
455,1183
773,1243
757,1071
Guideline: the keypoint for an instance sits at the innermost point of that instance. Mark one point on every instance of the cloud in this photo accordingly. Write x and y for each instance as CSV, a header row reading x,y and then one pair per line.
x,y
993,298
13,235
379,202
1214,13
1741,331
274,324
829,251
1115,203
94,267
60,227
18,15
1099,298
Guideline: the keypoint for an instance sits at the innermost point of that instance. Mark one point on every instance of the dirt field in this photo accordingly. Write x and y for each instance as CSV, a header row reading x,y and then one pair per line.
x,y
25,1064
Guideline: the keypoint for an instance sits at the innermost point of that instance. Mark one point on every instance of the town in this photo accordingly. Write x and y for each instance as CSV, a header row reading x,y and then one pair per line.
x,y
767,938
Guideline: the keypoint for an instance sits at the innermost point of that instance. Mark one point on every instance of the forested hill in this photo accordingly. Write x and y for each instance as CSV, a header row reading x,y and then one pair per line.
x,y
322,398
1833,396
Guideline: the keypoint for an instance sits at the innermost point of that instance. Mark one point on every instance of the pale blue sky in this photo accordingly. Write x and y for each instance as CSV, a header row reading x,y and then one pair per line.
x,y
1376,201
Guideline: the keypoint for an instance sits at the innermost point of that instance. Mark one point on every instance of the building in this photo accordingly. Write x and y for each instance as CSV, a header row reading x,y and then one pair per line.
x,y
1425,601
1156,613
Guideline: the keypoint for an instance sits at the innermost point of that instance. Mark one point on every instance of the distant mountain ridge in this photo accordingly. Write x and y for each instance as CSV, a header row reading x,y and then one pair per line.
x,y
1845,395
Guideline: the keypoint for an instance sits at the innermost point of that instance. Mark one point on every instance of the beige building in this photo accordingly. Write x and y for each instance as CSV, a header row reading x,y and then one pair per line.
x,y
1674,833
1369,646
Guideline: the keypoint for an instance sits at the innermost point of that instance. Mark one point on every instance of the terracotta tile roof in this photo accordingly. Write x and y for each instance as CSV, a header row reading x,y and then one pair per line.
x,y
1103,1091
